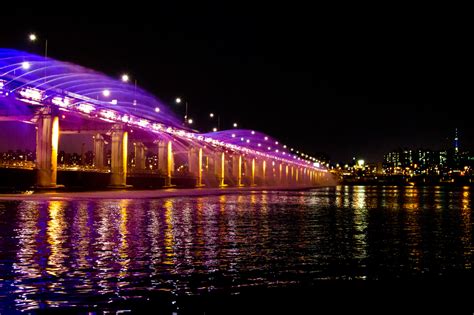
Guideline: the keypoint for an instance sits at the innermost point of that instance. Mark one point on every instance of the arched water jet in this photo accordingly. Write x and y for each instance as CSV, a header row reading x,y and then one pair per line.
x,y
231,156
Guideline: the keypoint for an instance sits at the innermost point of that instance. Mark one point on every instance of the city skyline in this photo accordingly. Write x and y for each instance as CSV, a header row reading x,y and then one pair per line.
x,y
14,132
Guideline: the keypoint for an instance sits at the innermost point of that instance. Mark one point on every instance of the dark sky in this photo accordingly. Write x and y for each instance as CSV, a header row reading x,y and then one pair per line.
x,y
357,82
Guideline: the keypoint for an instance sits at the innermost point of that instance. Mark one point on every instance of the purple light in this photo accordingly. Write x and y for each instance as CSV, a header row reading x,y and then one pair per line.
x,y
82,91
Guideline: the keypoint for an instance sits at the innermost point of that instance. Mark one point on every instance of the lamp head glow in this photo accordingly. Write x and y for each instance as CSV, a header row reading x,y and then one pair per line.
x,y
157,109
253,132
125,78
215,129
360,162
106,93
235,125
25,65
266,138
190,121
178,100
32,37
211,115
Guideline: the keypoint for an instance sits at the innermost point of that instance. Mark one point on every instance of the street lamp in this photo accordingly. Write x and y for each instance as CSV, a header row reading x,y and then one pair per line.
x,y
235,125
106,93
126,78
178,101
211,115
33,38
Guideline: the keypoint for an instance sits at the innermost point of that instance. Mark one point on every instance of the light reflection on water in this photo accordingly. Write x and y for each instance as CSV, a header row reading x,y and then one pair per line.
x,y
92,253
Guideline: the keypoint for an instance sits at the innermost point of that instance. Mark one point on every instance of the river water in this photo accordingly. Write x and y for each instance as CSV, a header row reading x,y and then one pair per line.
x,y
113,254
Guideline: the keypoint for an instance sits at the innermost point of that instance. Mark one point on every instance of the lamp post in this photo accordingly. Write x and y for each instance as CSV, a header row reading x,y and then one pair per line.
x,y
33,38
178,101
125,79
212,115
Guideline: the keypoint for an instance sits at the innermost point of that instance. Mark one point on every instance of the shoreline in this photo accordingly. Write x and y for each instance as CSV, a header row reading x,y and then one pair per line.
x,y
141,194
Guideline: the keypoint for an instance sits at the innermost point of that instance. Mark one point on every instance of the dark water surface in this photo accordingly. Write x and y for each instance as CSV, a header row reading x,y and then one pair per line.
x,y
117,254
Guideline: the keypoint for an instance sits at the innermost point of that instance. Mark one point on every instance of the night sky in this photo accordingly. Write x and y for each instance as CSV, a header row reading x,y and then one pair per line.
x,y
348,84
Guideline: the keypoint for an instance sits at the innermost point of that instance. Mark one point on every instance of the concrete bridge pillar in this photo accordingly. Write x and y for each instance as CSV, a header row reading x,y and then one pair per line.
x,y
47,141
220,167
258,168
195,164
209,165
250,170
118,176
98,151
270,172
280,173
262,171
166,160
237,169
275,172
140,156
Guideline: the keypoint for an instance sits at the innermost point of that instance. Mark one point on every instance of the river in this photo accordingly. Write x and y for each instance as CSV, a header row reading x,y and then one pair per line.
x,y
114,254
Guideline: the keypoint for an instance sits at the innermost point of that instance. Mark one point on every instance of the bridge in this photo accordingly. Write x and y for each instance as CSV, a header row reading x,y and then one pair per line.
x,y
63,98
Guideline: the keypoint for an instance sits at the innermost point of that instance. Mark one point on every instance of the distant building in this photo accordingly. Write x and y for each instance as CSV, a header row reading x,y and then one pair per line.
x,y
429,162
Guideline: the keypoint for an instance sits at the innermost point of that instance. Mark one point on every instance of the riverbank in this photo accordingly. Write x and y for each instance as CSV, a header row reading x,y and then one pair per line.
x,y
141,194
407,181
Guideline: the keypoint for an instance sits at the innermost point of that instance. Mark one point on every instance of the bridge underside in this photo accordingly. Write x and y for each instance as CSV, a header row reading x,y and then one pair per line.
x,y
126,154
